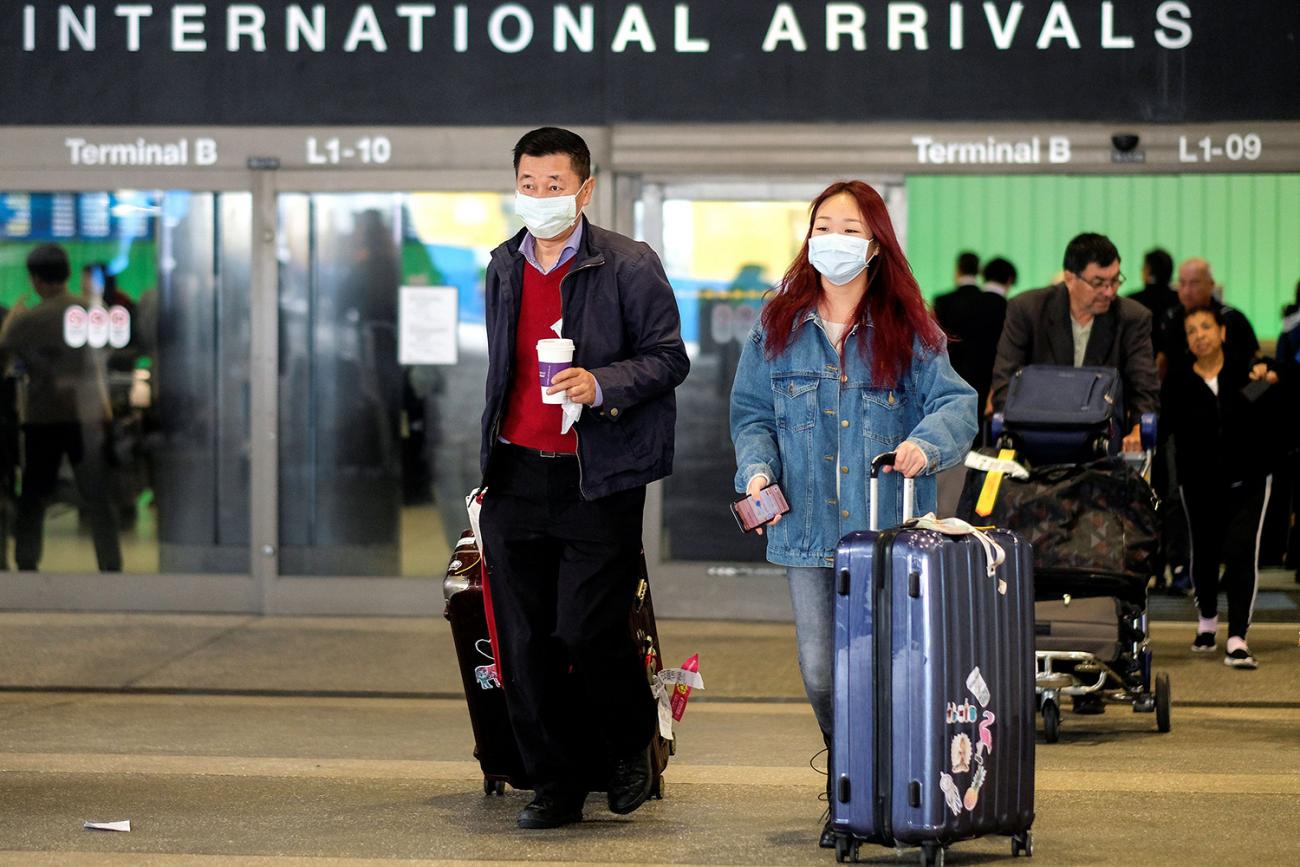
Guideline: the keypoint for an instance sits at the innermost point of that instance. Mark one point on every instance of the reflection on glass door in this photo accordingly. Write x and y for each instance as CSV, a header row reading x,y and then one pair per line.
x,y
151,473
378,451
721,257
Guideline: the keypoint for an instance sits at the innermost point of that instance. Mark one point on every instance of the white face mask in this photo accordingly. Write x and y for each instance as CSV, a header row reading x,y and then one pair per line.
x,y
838,258
547,218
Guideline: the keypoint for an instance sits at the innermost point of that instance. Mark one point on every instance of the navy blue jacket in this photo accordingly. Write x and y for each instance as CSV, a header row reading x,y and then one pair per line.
x,y
621,315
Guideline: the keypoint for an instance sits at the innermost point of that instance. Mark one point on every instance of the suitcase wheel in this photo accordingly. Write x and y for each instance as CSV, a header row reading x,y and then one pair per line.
x,y
658,791
1051,721
493,787
931,855
846,849
1022,844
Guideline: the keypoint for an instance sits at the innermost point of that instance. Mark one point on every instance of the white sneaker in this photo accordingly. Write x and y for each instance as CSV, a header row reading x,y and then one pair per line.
x,y
1240,658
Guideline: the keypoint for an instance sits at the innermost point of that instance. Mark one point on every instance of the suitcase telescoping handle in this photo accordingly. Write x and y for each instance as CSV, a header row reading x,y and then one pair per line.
x,y
909,489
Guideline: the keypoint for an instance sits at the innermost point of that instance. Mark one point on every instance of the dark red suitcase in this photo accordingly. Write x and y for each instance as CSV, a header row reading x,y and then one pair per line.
x,y
469,610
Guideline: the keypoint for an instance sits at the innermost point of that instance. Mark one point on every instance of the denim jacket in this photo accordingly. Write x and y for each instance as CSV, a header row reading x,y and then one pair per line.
x,y
801,421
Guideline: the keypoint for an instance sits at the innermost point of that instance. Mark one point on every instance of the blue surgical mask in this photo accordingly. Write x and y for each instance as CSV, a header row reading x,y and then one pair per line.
x,y
838,258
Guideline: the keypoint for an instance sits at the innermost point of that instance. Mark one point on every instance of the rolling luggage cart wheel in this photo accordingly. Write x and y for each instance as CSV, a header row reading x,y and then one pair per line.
x,y
1022,844
931,855
1162,702
493,787
1051,721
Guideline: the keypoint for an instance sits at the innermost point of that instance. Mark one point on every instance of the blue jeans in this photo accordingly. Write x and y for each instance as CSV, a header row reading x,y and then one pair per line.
x,y
812,592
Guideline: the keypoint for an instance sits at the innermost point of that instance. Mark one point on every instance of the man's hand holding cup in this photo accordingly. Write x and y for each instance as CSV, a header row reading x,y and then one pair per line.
x,y
560,380
578,383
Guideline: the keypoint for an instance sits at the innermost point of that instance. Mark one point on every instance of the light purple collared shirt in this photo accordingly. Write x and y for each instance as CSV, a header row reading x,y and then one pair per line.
x,y
529,249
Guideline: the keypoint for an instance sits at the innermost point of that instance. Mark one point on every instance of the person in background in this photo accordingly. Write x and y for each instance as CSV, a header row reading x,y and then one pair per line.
x,y
1156,294
1196,288
1288,368
66,413
844,363
972,320
1217,410
99,286
561,518
999,276
1082,322
1159,297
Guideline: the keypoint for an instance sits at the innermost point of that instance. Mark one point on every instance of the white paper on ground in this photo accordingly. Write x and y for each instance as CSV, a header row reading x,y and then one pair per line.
x,y
124,825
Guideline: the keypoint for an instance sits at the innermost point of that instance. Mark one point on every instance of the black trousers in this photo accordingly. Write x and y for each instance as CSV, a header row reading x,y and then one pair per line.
x,y
44,446
1225,523
563,572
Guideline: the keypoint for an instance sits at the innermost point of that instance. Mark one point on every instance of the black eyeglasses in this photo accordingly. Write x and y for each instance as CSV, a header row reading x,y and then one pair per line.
x,y
1102,283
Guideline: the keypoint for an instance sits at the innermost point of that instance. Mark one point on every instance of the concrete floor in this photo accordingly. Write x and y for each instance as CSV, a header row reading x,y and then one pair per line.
x,y
258,741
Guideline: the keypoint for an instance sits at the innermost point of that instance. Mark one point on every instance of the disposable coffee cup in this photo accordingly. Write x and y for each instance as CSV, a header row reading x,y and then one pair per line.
x,y
553,355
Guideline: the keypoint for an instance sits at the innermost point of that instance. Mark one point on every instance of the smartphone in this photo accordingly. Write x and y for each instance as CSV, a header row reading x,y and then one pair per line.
x,y
753,512
1255,389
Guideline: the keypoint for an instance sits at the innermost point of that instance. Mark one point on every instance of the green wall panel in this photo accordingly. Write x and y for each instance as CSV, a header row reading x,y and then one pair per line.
x,y
1247,226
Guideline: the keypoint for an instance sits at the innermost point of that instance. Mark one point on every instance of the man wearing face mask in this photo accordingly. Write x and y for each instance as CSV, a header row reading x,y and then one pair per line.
x,y
561,520
1082,322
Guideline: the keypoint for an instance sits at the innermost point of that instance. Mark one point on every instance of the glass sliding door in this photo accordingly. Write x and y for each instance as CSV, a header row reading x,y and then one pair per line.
x,y
151,473
383,356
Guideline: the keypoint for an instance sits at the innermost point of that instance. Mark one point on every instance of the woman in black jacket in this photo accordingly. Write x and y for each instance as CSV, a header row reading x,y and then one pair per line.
x,y
1218,413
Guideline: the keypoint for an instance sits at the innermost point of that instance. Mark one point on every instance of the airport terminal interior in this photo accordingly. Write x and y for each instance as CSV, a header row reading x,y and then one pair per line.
x,y
279,220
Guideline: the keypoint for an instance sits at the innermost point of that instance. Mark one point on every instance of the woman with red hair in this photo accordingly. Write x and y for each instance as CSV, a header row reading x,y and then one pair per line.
x,y
845,362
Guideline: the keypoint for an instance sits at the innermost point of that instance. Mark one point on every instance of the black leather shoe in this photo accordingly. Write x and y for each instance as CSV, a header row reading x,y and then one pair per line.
x,y
631,783
827,839
549,810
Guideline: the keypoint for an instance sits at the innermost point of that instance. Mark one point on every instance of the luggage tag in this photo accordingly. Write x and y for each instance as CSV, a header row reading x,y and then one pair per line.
x,y
989,493
474,505
665,686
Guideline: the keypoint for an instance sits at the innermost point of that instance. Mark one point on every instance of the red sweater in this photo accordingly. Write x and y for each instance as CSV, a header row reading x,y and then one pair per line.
x,y
529,422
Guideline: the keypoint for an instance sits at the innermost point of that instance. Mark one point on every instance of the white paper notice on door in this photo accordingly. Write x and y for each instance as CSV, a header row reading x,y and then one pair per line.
x,y
427,318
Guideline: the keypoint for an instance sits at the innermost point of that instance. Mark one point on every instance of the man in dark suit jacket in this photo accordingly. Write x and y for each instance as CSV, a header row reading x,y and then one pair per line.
x,y
1156,294
1082,322
972,319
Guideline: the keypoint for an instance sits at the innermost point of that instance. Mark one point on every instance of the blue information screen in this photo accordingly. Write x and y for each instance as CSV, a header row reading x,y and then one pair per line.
x,y
77,216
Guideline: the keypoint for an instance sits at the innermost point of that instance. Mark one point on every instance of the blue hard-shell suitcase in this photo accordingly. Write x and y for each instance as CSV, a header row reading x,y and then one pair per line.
x,y
934,690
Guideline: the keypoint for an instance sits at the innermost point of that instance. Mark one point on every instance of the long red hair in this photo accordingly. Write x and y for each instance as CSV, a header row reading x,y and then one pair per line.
x,y
892,301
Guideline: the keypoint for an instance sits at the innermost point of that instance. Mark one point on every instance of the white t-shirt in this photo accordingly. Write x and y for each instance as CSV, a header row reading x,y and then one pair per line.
x,y
835,331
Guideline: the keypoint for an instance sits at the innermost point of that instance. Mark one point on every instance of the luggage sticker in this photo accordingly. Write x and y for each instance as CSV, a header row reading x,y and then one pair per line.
x,y
962,713
486,675
961,753
950,793
975,683
965,756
